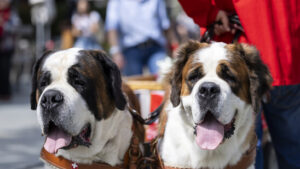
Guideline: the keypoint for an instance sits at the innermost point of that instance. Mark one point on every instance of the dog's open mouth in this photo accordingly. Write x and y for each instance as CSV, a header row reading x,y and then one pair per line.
x,y
210,133
57,138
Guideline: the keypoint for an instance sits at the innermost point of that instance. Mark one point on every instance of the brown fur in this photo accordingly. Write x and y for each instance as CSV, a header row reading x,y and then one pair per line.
x,y
135,104
238,68
189,67
93,70
260,79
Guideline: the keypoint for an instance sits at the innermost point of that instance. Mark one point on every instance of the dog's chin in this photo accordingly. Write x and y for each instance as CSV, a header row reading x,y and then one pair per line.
x,y
210,133
58,138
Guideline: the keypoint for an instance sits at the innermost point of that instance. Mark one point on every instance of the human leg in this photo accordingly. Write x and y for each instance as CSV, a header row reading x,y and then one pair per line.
x,y
133,61
259,153
283,118
157,54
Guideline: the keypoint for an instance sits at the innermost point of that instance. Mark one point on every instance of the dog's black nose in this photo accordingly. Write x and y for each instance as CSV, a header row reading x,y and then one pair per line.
x,y
52,99
209,90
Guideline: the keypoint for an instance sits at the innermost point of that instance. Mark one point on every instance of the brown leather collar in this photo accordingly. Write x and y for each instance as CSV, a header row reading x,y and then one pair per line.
x,y
246,160
63,163
131,158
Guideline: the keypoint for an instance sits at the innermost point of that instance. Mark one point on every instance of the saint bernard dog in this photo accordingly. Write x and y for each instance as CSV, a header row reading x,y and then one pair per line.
x,y
81,106
208,118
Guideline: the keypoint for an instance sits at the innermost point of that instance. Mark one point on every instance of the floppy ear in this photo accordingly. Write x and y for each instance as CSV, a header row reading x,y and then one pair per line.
x,y
34,77
112,76
259,75
175,76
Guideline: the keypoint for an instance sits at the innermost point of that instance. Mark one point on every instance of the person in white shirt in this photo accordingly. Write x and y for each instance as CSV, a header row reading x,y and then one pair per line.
x,y
85,26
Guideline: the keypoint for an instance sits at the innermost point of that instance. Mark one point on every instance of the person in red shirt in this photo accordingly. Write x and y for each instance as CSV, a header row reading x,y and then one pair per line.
x,y
273,26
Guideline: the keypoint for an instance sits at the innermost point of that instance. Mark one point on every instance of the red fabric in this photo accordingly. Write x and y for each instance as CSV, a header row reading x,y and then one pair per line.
x,y
202,17
273,26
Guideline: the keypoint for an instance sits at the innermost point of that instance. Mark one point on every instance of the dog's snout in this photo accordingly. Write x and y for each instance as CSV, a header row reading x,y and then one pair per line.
x,y
209,90
52,99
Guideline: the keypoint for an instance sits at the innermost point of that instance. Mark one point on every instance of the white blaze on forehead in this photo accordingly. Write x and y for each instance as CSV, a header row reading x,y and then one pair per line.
x,y
59,62
211,56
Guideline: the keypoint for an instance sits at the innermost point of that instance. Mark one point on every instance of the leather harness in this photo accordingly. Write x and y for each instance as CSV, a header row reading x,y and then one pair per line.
x,y
63,163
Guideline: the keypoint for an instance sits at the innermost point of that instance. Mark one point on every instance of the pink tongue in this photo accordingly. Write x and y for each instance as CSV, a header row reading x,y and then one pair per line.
x,y
56,140
210,134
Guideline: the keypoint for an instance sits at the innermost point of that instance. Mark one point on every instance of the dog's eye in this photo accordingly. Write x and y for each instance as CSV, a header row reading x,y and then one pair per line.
x,y
44,80
194,76
79,82
227,74
44,83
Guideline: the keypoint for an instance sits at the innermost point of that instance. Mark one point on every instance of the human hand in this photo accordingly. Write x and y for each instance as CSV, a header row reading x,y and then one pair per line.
x,y
118,58
94,28
224,26
76,32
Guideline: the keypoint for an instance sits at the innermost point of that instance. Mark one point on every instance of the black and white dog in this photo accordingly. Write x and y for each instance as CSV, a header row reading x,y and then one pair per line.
x,y
81,107
209,115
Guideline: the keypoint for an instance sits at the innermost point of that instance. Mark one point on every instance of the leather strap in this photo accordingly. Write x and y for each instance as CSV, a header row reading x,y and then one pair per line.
x,y
233,20
63,163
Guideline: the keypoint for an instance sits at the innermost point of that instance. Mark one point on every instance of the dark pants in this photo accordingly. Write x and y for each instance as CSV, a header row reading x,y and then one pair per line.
x,y
283,118
5,64
259,163
139,56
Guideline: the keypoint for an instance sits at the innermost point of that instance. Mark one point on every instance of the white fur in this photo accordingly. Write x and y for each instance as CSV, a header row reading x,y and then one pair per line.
x,y
110,138
179,148
110,141
164,68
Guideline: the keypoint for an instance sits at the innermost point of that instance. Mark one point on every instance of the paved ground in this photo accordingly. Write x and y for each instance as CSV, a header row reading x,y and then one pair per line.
x,y
20,136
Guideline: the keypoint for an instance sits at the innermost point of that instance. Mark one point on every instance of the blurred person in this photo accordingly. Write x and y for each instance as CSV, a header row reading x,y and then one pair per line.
x,y
136,34
67,40
86,26
273,26
186,28
8,22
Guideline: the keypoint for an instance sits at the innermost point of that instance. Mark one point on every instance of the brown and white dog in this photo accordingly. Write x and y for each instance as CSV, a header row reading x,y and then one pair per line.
x,y
81,107
209,116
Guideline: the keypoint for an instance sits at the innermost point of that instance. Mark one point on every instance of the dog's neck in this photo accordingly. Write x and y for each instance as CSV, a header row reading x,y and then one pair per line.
x,y
109,143
179,149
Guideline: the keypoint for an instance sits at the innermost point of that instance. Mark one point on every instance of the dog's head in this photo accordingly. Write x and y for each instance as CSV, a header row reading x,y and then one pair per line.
x,y
72,90
216,84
